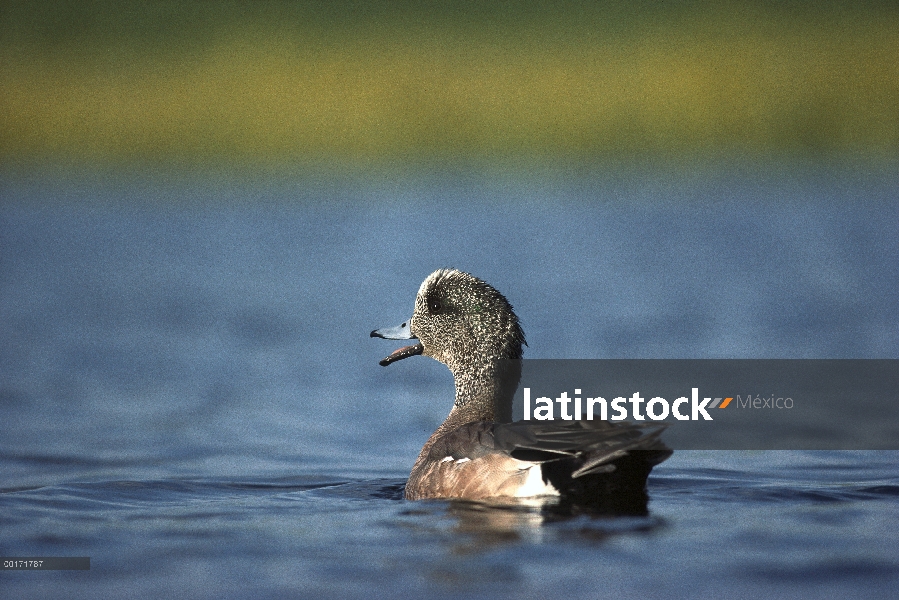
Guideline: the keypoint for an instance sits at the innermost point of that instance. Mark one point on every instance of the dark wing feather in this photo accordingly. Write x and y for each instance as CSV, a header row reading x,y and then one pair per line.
x,y
597,443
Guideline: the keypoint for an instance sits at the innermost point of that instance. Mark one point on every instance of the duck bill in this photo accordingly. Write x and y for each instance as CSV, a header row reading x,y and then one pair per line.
x,y
404,352
403,332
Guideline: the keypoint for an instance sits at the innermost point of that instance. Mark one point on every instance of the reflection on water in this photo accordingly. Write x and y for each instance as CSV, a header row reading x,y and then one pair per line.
x,y
482,526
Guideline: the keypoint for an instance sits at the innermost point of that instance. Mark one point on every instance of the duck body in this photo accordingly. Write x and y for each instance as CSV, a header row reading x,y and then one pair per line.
x,y
476,454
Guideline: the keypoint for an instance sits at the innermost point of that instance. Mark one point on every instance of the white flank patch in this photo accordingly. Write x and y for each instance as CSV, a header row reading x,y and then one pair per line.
x,y
447,459
534,486
462,460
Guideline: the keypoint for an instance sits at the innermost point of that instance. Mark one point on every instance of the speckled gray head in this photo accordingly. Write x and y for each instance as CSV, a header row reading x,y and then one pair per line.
x,y
461,321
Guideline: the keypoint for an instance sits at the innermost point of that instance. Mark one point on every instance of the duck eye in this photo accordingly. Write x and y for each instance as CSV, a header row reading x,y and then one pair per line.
x,y
434,306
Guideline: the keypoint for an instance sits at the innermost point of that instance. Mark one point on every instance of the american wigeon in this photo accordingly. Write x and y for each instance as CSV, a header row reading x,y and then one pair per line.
x,y
470,327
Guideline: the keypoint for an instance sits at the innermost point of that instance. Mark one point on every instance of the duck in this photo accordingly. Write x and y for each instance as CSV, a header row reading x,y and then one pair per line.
x,y
477,453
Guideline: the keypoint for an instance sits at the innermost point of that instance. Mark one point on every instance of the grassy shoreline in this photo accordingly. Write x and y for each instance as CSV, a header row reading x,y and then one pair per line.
x,y
260,88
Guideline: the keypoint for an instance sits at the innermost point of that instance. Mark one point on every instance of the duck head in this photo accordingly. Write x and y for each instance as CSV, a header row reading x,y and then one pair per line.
x,y
462,322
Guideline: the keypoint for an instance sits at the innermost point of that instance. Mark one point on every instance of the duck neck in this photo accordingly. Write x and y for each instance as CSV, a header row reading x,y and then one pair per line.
x,y
486,394
482,395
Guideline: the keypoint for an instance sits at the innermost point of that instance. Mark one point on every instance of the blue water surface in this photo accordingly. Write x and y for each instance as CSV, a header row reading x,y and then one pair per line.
x,y
189,396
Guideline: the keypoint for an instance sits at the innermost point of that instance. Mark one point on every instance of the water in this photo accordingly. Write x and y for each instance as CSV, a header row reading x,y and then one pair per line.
x,y
188,393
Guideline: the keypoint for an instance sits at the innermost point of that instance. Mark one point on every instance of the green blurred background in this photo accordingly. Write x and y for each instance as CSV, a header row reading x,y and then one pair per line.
x,y
253,85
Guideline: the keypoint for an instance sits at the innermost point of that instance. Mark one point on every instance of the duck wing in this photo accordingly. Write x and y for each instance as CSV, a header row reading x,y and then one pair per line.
x,y
594,464
596,443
